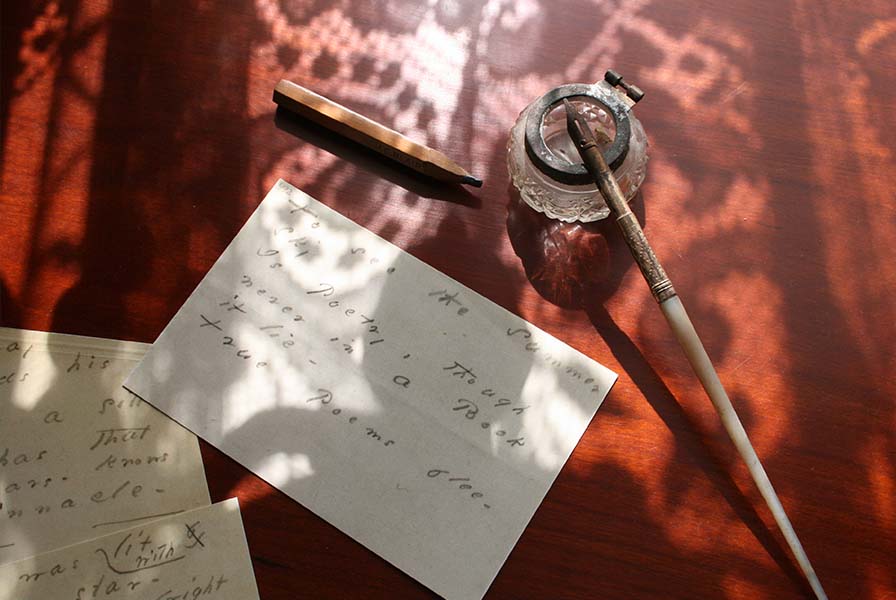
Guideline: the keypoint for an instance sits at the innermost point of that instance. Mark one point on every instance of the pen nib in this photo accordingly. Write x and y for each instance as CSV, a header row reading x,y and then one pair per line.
x,y
577,127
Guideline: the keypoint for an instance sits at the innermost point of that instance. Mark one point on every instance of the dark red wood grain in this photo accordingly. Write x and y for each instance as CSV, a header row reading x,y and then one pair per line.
x,y
138,136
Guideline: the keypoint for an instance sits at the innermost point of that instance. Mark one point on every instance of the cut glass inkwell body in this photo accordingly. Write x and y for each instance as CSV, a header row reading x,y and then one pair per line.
x,y
544,164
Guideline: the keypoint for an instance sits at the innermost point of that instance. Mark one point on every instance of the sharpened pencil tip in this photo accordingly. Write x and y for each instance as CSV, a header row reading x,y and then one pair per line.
x,y
470,180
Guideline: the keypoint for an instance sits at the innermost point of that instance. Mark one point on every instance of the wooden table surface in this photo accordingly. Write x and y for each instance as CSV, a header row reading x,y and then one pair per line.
x,y
138,136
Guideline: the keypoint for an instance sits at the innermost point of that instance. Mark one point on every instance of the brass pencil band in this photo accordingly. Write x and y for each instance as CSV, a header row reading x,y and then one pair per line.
x,y
663,290
557,168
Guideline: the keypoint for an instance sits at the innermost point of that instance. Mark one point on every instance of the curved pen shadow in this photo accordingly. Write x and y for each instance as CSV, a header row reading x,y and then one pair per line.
x,y
581,265
689,438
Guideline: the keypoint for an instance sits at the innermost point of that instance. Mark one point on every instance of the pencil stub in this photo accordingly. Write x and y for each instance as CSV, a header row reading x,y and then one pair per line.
x,y
367,132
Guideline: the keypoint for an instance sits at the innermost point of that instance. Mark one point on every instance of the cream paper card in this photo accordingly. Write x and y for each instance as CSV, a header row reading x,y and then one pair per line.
x,y
413,414
195,555
80,456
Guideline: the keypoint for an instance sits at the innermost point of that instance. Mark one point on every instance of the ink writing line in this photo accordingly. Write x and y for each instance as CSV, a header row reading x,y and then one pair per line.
x,y
167,514
192,535
129,571
120,435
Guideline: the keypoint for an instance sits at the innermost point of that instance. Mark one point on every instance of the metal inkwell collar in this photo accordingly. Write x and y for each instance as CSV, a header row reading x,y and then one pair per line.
x,y
544,164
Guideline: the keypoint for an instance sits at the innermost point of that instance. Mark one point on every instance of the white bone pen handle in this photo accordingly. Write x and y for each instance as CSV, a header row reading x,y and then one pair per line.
x,y
662,290
690,342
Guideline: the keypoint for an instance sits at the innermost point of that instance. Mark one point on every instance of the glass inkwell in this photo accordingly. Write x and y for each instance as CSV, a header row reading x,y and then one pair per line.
x,y
544,164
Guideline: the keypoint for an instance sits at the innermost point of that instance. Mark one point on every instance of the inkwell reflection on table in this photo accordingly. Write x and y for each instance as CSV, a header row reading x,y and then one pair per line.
x,y
579,154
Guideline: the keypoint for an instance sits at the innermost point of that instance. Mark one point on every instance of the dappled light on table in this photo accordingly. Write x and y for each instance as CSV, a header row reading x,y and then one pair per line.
x,y
392,401
137,139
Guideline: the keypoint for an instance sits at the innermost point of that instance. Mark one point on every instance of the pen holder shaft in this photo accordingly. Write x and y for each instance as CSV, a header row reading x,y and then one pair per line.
x,y
693,348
